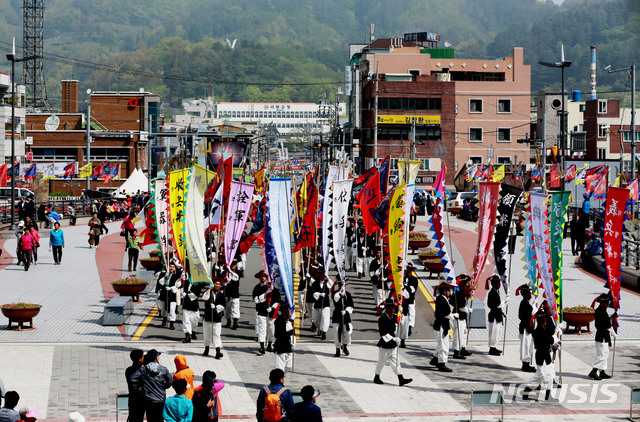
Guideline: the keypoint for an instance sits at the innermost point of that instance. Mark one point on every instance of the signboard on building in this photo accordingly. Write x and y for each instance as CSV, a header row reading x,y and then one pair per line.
x,y
407,120
422,37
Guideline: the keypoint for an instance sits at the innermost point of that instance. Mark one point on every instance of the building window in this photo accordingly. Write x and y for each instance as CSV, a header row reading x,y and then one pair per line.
x,y
602,106
475,105
504,105
602,131
626,135
626,166
475,160
504,160
504,134
602,153
475,134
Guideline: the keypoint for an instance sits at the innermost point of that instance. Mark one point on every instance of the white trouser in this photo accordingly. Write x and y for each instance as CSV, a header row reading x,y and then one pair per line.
x,y
346,334
602,355
495,329
232,311
412,315
442,345
171,316
261,327
459,326
349,255
543,377
403,330
190,321
322,318
283,360
526,347
211,331
360,264
301,303
377,296
390,355
271,329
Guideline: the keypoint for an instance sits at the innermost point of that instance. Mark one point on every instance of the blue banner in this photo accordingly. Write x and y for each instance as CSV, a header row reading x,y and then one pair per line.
x,y
278,228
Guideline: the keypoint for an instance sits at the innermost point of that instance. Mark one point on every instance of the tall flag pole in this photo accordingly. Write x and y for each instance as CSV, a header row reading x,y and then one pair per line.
x,y
540,227
557,219
488,194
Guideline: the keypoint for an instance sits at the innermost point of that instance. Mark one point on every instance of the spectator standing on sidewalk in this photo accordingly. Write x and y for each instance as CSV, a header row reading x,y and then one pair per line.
x,y
56,242
36,243
19,232
154,379
274,393
133,249
206,401
71,212
184,372
42,217
127,225
178,408
307,410
95,231
9,413
577,234
136,395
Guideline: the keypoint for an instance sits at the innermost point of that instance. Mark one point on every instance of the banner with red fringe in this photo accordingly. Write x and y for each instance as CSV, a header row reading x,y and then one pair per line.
x,y
540,228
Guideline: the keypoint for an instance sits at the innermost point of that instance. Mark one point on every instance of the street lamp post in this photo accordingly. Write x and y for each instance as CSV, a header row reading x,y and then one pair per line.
x,y
13,59
562,64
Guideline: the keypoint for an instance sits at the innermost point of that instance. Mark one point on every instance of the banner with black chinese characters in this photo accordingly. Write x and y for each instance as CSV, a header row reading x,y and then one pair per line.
x,y
559,201
161,202
509,196
308,228
613,218
397,227
488,205
341,196
237,214
193,230
178,187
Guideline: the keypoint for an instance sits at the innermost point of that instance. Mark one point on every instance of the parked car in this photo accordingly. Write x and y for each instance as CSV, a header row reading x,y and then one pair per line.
x,y
5,193
456,199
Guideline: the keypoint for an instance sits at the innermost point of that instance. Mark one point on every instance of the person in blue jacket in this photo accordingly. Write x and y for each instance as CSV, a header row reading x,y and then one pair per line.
x,y
178,408
56,242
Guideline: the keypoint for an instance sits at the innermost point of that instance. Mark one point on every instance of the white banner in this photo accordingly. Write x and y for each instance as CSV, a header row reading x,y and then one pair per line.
x,y
540,226
194,227
216,209
279,191
341,195
163,217
327,215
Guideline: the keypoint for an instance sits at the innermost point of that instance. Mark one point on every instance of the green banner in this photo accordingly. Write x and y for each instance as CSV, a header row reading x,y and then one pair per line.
x,y
558,203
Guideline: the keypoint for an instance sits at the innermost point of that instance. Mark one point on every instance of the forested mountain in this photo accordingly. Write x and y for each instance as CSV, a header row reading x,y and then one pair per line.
x,y
297,49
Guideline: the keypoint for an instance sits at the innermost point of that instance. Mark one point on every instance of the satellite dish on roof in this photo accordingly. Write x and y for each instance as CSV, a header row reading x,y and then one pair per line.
x,y
52,122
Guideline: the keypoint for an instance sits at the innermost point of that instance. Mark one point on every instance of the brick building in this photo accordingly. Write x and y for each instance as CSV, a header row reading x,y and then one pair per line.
x,y
119,124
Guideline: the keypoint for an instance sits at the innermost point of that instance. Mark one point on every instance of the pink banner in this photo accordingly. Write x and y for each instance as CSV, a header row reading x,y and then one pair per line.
x,y
540,228
237,213
613,218
163,216
488,206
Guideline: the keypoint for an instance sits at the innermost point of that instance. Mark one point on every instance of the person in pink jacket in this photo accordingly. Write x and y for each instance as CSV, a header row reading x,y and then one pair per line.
x,y
26,246
36,244
206,402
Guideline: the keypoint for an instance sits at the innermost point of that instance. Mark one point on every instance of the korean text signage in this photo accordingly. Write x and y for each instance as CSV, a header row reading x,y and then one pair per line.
x,y
407,120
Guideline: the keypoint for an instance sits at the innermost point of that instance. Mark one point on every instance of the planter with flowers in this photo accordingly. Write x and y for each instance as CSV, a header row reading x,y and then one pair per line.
x,y
20,313
427,255
418,240
130,286
152,263
155,252
434,265
578,317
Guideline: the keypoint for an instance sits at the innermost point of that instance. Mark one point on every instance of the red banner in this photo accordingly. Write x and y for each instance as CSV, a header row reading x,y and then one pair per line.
x,y
3,175
307,234
613,218
369,198
554,177
488,205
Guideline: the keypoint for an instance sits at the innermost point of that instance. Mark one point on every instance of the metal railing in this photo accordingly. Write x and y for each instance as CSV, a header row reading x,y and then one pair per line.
x,y
631,253
81,208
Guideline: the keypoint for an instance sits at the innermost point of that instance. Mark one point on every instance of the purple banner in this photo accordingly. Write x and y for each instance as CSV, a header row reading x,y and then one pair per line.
x,y
237,213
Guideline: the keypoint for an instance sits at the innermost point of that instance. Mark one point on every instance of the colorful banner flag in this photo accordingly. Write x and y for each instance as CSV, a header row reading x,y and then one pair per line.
x,y
30,172
600,189
554,177
488,205
509,197
308,228
535,174
341,196
369,199
498,175
613,220
540,228
196,249
70,170
259,180
409,169
470,172
384,174
530,251
212,220
438,228
633,190
557,218
335,173
438,184
237,214
3,175
49,172
279,191
570,174
114,173
397,227
85,171
381,215
178,188
161,203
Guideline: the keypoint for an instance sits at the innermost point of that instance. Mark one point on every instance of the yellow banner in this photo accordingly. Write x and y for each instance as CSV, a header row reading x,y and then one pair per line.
x,y
397,227
399,119
498,175
86,170
413,167
259,182
179,185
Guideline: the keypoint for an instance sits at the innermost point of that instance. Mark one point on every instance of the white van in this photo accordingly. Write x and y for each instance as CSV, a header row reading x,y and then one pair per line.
x,y
5,193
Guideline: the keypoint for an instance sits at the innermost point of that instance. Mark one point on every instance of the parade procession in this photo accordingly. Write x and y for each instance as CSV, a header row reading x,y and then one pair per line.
x,y
310,234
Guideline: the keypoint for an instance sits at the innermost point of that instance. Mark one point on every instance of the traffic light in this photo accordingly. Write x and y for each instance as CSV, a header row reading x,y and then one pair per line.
x,y
319,144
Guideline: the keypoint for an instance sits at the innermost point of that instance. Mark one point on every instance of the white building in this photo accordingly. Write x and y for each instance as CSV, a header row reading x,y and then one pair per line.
x,y
5,119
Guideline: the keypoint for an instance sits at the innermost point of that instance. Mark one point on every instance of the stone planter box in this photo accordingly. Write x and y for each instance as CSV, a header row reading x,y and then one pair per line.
x,y
20,316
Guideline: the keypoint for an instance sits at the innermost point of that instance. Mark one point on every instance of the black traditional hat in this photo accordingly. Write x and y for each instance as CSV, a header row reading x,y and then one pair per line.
x,y
261,273
603,298
523,288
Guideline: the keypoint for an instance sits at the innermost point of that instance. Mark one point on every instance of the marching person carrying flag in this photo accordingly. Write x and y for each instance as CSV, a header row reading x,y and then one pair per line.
x,y
167,288
388,344
603,338
284,343
214,304
496,314
321,307
190,310
525,329
441,327
341,318
232,295
545,342
461,302
261,298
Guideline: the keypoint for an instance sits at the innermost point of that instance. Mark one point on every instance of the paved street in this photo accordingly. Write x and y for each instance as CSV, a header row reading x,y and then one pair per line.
x,y
71,362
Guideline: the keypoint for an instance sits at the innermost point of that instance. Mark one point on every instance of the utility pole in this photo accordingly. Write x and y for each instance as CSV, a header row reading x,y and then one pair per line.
x,y
88,140
413,140
375,121
149,155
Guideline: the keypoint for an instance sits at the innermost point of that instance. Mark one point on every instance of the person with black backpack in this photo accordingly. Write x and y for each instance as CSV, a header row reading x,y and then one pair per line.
x,y
275,401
